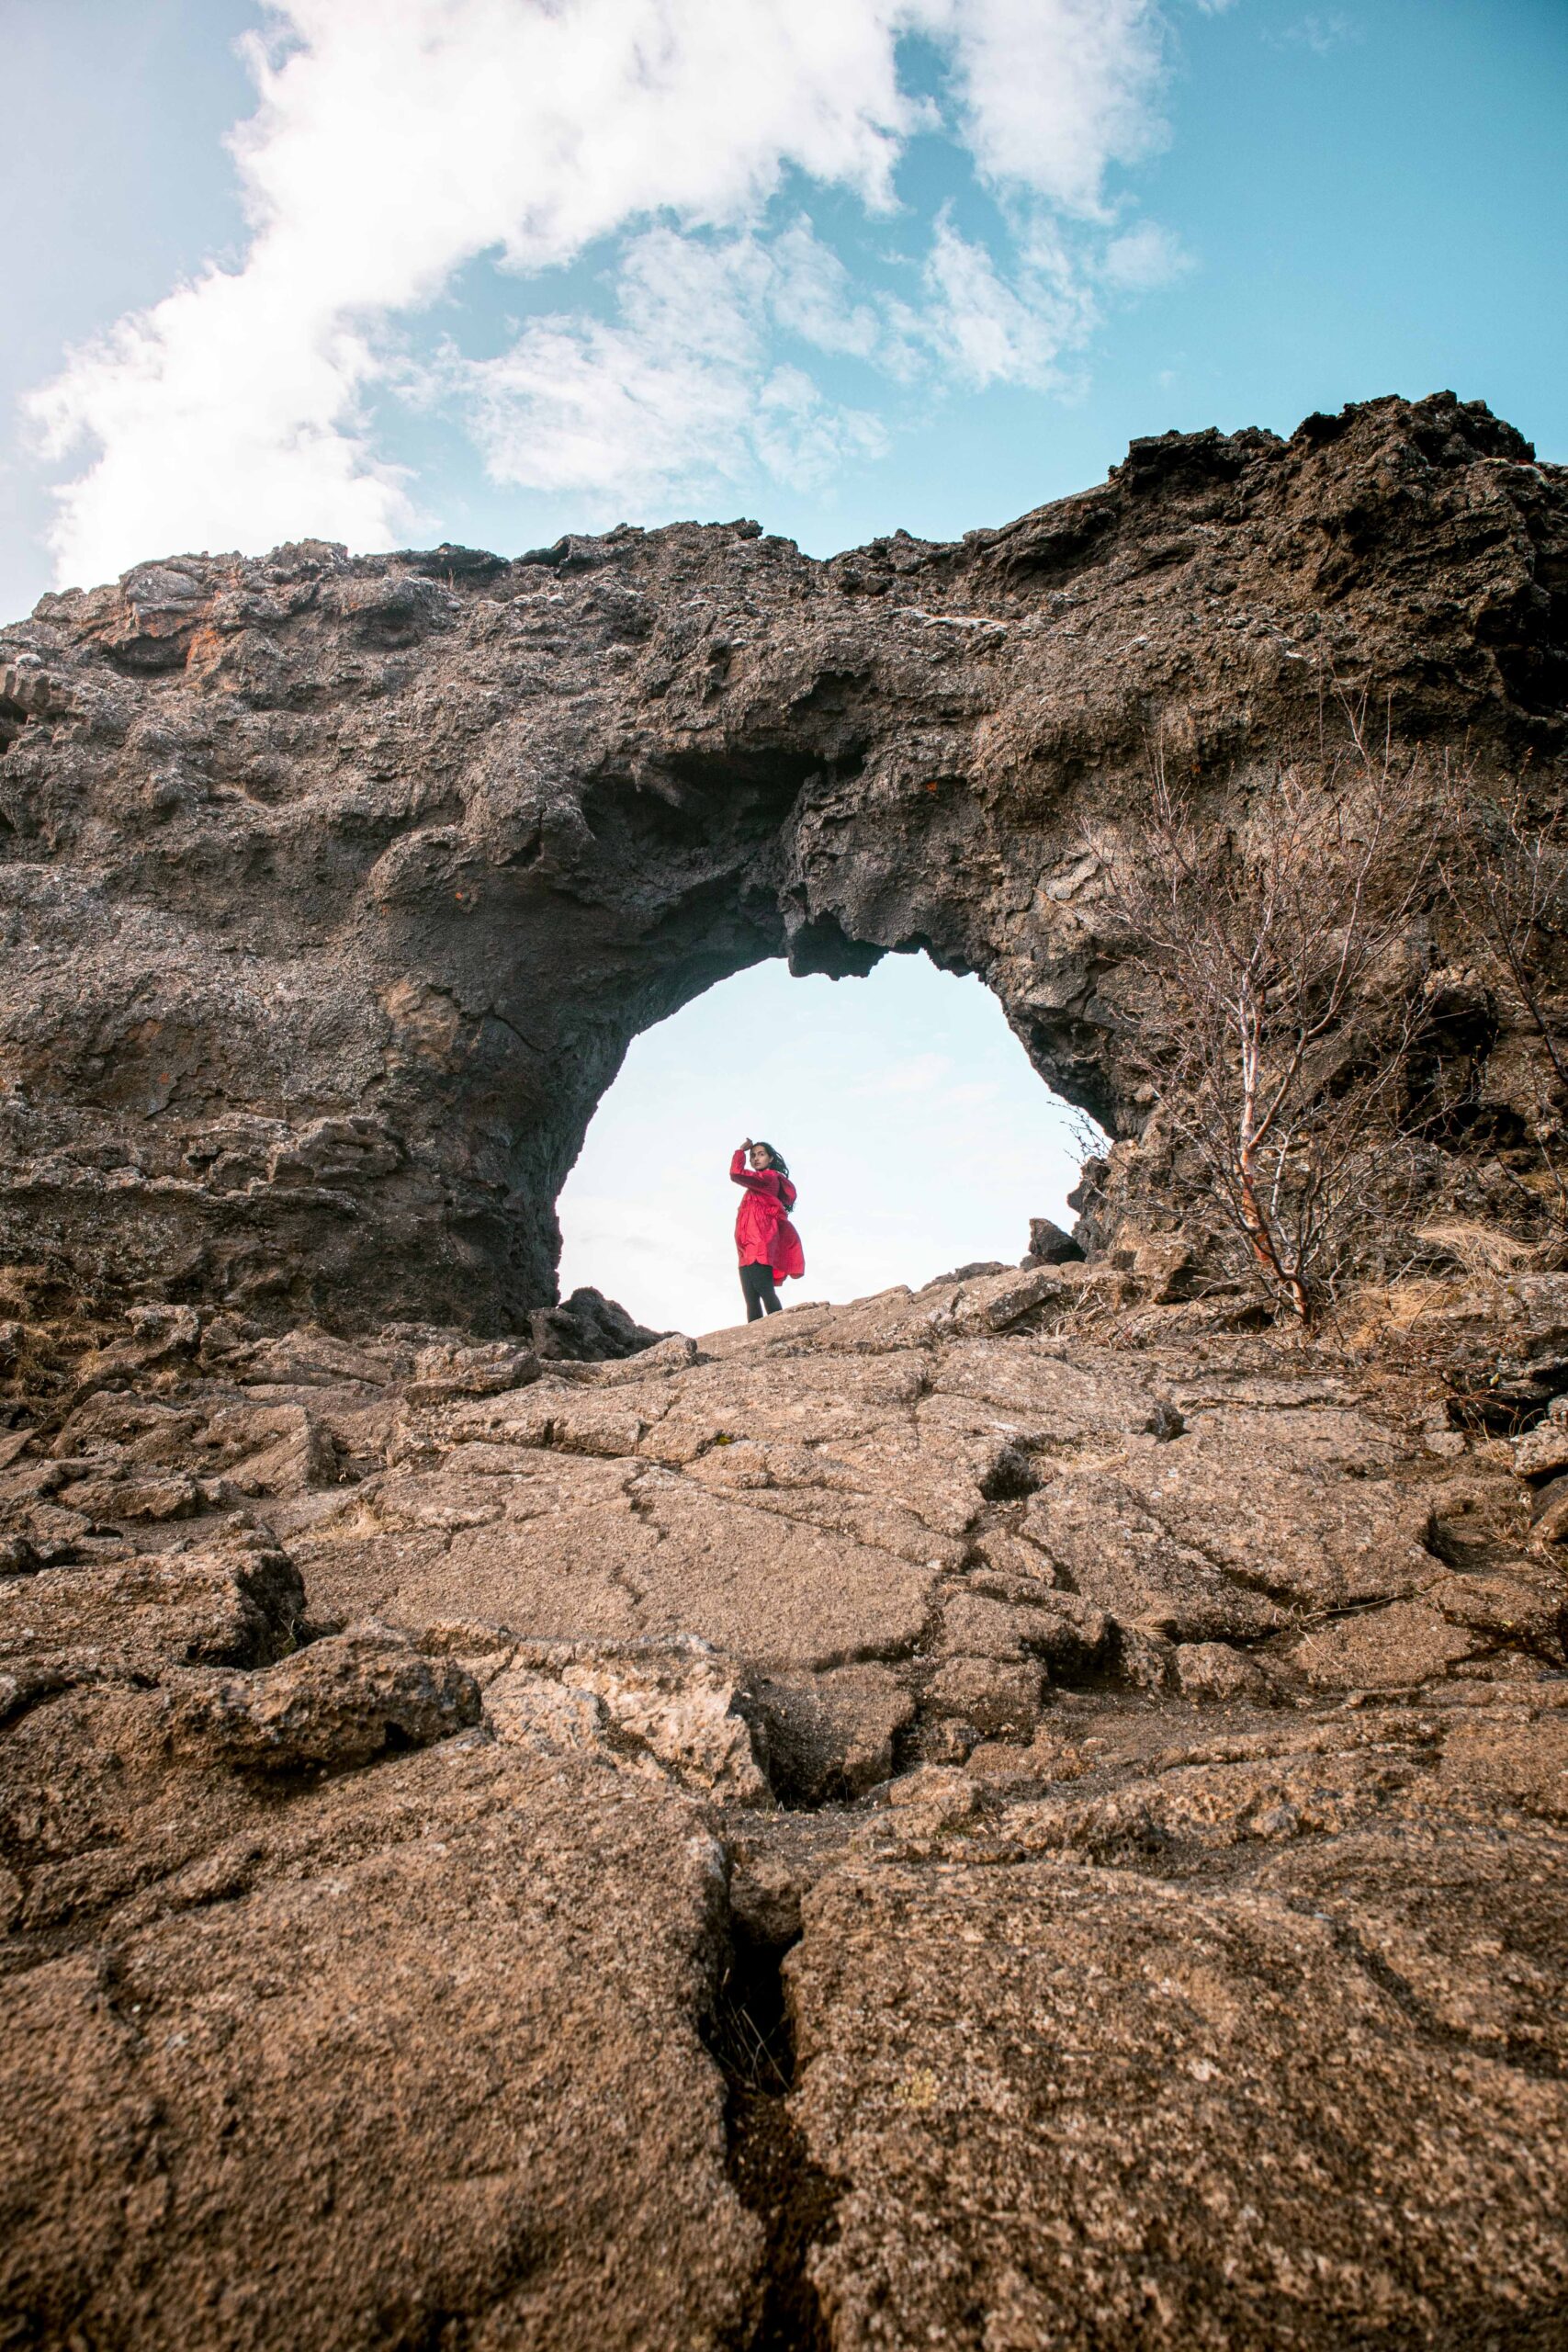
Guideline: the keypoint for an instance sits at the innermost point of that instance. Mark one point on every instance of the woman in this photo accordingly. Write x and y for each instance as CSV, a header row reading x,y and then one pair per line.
x,y
767,1243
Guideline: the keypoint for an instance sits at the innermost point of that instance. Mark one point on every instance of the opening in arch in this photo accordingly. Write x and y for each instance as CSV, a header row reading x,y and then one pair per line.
x,y
919,1135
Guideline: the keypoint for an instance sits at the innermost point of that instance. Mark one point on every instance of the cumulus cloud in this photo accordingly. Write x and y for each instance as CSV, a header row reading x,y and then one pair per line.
x,y
1055,90
1145,257
396,141
990,330
683,385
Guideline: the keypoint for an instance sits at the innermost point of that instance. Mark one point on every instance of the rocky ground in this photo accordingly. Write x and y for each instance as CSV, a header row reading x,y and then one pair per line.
x,y
1006,1816
1027,1813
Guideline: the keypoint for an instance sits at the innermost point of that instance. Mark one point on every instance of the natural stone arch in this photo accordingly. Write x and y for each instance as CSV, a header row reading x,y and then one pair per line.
x,y
336,887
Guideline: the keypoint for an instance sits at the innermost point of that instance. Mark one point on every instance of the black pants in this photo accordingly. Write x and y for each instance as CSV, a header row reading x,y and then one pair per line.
x,y
762,1298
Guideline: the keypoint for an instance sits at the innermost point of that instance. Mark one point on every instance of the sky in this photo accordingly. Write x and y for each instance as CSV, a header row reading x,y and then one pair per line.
x,y
401,271
910,1118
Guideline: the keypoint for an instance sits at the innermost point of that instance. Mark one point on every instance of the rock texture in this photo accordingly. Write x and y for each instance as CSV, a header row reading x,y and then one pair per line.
x,y
1001,1816
1019,1814
332,889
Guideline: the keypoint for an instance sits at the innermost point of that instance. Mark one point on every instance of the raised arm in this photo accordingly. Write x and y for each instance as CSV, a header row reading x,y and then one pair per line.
x,y
741,1174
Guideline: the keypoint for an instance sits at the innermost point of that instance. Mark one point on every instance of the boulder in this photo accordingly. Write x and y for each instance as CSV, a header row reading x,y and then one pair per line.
x,y
831,1735
1075,2105
1049,1245
346,1699
413,2054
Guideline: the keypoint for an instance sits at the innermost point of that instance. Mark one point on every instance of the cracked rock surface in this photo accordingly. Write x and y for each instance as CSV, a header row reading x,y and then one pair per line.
x,y
943,1820
1023,1813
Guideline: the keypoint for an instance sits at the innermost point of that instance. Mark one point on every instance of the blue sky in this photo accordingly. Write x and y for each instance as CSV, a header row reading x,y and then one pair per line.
x,y
396,271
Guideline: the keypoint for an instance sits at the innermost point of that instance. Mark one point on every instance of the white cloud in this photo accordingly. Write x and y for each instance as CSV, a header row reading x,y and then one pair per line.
x,y
396,140
222,418
813,297
993,333
1055,90
683,385
1324,34
1142,258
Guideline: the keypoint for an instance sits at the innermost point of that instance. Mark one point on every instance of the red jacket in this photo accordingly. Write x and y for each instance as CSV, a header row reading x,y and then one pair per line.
x,y
763,1234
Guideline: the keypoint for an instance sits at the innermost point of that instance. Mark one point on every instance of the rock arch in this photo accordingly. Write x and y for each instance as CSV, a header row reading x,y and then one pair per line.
x,y
335,887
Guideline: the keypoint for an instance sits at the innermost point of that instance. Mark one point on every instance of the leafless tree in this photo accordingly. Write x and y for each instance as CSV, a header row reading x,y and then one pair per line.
x,y
1505,871
1269,980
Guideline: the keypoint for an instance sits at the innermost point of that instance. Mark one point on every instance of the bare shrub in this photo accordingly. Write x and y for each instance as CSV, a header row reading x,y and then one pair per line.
x,y
1268,984
1503,866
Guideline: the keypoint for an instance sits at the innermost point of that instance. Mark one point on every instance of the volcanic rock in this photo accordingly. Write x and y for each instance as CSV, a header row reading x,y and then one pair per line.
x,y
1049,1245
1020,1811
398,1870
335,887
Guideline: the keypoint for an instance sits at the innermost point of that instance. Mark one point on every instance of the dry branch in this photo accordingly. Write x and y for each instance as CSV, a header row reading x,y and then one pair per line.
x,y
1505,872
1271,959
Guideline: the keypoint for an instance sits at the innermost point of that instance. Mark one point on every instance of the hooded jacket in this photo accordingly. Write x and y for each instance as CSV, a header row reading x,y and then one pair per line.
x,y
763,1234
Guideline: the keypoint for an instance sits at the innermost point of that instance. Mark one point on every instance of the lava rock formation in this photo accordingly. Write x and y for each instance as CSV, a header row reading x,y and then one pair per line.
x,y
1029,1812
334,889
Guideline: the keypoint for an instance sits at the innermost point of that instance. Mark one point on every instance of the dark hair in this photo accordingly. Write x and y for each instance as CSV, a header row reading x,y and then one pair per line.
x,y
779,1167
